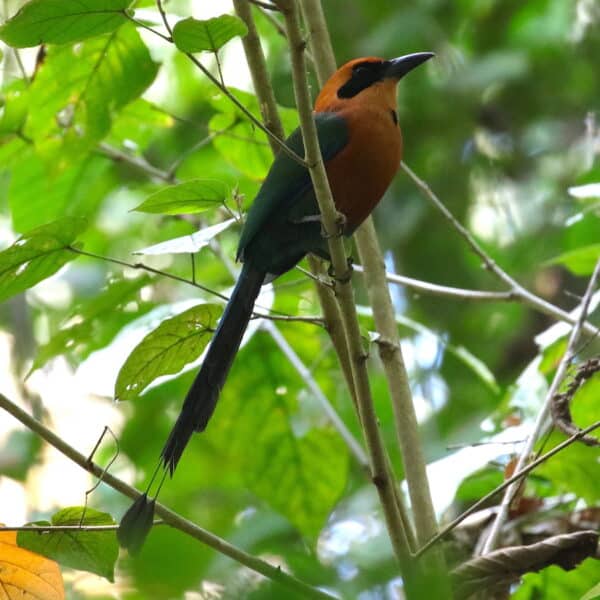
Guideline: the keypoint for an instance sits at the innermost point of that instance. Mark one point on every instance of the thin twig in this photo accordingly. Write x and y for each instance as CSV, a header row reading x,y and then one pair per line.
x,y
163,16
168,516
514,479
148,28
542,417
66,528
443,290
524,295
280,142
143,267
355,448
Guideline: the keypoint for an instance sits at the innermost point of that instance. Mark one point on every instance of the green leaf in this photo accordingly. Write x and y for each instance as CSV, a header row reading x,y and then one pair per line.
x,y
478,484
554,582
37,195
576,469
297,466
580,261
592,593
138,124
242,144
36,255
61,21
92,324
166,350
191,35
195,196
92,551
14,113
78,88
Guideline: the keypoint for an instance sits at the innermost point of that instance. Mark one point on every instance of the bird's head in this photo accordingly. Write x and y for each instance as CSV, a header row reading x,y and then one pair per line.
x,y
369,79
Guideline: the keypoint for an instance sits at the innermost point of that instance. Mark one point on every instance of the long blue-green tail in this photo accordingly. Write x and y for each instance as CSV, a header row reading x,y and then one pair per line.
x,y
202,397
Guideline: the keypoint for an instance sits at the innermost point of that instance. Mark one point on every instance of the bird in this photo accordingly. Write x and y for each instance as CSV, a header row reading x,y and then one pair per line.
x,y
361,145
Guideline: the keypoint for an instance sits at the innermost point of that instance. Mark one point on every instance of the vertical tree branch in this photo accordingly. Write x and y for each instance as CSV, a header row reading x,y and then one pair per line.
x,y
270,115
329,216
407,429
383,312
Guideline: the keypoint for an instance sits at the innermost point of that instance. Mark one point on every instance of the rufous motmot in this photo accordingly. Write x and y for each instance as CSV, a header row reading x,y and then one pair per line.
x,y
360,140
361,144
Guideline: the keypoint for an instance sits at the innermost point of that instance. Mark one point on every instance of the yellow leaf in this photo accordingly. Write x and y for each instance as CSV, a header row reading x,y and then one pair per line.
x,y
26,575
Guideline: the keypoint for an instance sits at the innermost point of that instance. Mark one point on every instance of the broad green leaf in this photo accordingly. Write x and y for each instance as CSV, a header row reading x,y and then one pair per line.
x,y
78,88
192,35
222,104
592,593
242,144
297,466
93,323
14,113
37,255
478,484
62,21
555,583
37,195
195,196
137,124
166,350
580,261
576,469
92,551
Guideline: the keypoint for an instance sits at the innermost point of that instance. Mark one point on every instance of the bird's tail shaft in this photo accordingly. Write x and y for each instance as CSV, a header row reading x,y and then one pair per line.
x,y
202,397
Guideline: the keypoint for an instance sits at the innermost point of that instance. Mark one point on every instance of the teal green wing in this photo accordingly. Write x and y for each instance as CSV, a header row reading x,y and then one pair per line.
x,y
288,182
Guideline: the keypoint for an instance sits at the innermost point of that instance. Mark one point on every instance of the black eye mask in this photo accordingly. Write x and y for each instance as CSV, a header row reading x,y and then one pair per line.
x,y
364,75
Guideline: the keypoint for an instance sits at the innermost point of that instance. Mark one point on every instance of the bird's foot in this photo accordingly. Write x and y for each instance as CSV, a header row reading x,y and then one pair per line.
x,y
346,276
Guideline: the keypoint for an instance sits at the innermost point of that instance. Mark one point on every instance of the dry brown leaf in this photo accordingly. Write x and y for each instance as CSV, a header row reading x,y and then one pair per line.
x,y
502,567
26,575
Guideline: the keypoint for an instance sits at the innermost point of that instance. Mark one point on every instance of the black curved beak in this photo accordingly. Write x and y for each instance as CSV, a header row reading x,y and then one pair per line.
x,y
397,68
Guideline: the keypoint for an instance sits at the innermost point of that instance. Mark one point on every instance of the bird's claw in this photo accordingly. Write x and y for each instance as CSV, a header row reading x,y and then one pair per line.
x,y
344,277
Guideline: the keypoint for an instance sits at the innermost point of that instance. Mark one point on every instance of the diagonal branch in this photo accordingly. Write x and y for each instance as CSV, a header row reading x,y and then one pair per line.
x,y
516,478
168,516
542,418
516,288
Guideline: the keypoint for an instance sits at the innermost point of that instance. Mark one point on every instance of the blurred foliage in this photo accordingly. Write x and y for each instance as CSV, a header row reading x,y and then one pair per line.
x,y
108,117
